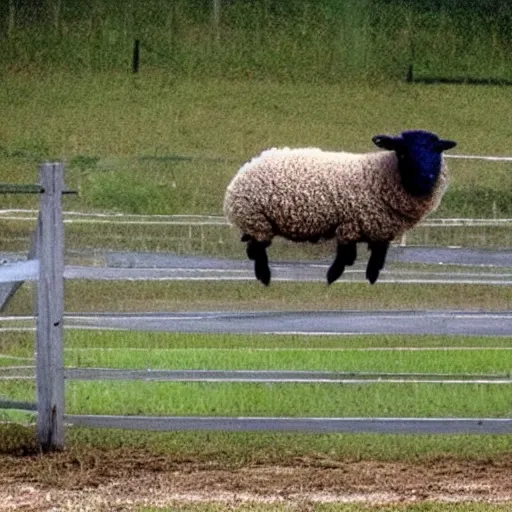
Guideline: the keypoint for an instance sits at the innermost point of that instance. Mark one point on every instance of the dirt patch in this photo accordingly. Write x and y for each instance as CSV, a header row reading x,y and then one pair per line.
x,y
124,479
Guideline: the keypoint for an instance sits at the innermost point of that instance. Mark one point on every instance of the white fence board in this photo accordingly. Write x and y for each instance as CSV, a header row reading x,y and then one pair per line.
x,y
313,425
281,376
19,271
18,405
71,217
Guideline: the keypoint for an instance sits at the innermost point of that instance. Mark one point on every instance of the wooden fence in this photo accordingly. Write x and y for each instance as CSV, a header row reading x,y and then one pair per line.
x,y
49,250
51,374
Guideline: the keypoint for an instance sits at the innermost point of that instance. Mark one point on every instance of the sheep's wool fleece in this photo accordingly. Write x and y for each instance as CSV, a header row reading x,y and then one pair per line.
x,y
306,194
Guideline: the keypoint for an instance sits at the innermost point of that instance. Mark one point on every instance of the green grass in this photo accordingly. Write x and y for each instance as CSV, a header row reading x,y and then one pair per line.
x,y
314,41
126,296
21,344
174,350
331,353
410,400
150,146
258,352
297,400
158,146
306,358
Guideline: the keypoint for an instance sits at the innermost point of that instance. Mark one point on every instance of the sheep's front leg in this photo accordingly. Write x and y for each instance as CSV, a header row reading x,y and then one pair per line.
x,y
345,255
257,251
377,260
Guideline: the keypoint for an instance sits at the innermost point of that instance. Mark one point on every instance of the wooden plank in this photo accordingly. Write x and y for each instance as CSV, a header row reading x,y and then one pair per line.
x,y
13,188
8,290
275,376
49,358
17,405
313,425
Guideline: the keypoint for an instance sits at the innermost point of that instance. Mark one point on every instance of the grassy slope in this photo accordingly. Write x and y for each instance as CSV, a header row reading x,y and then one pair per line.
x,y
121,136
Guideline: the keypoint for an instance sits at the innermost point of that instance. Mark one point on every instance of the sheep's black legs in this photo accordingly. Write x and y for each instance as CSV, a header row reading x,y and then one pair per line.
x,y
257,251
377,259
345,255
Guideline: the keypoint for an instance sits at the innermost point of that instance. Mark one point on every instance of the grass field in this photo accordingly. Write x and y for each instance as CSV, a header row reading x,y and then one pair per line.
x,y
126,296
313,41
151,145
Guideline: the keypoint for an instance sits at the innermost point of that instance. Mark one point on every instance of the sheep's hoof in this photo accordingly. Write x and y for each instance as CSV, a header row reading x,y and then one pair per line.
x,y
262,271
334,273
372,275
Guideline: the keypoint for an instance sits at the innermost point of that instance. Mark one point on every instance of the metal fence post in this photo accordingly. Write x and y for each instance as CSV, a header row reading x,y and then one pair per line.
x,y
50,305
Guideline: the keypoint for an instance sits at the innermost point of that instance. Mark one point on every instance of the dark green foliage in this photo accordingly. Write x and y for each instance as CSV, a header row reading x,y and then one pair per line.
x,y
314,40
482,202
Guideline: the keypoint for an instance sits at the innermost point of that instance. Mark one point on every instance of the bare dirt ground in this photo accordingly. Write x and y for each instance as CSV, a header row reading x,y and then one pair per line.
x,y
126,479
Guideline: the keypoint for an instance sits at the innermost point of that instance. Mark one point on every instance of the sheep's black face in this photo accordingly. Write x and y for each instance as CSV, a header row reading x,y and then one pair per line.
x,y
419,158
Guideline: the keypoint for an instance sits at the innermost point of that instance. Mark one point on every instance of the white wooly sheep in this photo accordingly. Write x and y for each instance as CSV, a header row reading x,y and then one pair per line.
x,y
308,194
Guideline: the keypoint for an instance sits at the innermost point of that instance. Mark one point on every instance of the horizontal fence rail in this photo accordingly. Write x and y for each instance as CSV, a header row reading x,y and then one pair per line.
x,y
18,405
268,376
273,376
317,425
262,376
209,220
488,158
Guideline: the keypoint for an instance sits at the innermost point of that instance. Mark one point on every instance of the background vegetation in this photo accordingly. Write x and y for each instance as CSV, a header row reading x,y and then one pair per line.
x,y
150,144
313,40
213,90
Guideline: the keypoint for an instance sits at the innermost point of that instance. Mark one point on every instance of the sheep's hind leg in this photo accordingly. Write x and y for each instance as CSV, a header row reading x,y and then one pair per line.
x,y
345,255
257,251
377,260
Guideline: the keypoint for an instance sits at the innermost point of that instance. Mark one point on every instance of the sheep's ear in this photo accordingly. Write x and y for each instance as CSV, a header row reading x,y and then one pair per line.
x,y
445,144
387,142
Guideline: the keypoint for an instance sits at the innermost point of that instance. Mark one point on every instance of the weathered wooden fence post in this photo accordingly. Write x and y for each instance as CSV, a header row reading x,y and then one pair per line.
x,y
50,305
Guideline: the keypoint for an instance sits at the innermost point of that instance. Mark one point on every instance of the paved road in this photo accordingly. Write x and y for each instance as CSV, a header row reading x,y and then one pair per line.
x,y
306,322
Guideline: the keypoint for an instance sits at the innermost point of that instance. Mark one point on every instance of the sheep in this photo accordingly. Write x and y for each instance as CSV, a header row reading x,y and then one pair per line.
x,y
308,195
